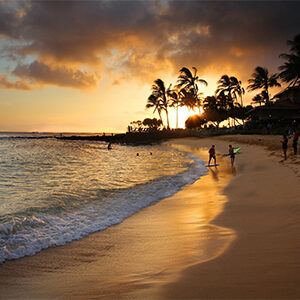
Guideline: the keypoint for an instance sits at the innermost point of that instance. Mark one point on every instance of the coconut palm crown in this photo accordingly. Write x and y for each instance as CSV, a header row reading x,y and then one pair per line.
x,y
159,93
232,87
188,81
153,101
262,80
290,71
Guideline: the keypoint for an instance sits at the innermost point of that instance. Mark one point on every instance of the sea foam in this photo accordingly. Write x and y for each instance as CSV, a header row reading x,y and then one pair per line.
x,y
28,235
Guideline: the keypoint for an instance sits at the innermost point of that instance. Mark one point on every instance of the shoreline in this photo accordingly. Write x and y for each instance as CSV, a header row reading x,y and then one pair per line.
x,y
251,242
146,250
264,209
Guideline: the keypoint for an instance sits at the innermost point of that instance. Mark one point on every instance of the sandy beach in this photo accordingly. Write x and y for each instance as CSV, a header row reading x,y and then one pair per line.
x,y
233,234
263,262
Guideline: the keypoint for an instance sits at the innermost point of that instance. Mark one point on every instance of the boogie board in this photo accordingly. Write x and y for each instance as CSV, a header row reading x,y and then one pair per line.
x,y
208,166
236,150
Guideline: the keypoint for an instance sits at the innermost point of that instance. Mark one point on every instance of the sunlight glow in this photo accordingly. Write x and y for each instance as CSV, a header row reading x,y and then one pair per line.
x,y
184,113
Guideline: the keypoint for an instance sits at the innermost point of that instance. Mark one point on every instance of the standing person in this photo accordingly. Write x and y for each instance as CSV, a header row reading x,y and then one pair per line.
x,y
231,154
284,143
295,141
212,154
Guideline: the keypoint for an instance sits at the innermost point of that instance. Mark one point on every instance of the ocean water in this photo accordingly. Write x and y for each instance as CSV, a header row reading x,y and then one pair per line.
x,y
56,191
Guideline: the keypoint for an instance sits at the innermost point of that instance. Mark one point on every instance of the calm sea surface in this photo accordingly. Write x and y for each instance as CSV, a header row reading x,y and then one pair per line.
x,y
55,191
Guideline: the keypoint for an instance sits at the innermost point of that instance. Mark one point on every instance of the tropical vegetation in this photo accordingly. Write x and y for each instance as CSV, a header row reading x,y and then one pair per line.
x,y
290,70
159,99
227,101
262,80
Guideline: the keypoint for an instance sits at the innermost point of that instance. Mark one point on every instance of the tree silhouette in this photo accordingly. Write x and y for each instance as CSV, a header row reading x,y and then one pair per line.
x,y
159,93
214,110
262,80
232,87
260,98
152,123
155,102
188,82
210,102
194,121
290,71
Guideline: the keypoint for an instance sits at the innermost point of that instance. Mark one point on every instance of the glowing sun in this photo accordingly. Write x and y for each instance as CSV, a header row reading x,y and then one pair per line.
x,y
184,113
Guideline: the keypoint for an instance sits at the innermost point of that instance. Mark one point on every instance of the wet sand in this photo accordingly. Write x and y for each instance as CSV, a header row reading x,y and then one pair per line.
x,y
263,262
197,244
132,260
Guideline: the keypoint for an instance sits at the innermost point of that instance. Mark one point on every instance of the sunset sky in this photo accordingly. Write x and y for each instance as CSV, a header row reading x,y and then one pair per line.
x,y
88,66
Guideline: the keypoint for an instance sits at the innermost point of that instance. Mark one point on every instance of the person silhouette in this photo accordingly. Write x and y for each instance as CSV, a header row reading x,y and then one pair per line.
x,y
284,143
231,154
295,141
212,154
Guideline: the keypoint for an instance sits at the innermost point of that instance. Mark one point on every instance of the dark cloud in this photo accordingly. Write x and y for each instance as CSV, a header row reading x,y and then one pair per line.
x,y
41,73
145,38
9,19
239,33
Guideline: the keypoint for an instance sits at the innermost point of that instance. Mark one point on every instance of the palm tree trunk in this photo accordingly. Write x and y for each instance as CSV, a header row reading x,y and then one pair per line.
x,y
177,116
267,92
162,123
167,114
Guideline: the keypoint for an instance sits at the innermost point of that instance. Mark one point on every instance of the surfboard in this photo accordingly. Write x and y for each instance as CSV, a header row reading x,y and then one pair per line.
x,y
208,166
236,150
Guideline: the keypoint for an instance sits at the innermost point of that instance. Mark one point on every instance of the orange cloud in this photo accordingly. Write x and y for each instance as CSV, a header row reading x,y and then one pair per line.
x,y
17,85
42,73
141,39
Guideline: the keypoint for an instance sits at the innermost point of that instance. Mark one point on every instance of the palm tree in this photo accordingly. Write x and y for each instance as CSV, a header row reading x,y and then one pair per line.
x,y
213,111
262,80
224,101
160,94
210,102
187,98
175,100
153,101
198,102
290,71
228,90
188,81
260,98
232,87
257,99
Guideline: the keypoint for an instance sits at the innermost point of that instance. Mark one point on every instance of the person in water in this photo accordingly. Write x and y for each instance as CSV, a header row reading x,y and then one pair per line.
x,y
295,141
109,146
284,143
212,154
231,154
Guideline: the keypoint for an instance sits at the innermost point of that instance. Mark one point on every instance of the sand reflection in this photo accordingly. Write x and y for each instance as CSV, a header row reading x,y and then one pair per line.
x,y
145,251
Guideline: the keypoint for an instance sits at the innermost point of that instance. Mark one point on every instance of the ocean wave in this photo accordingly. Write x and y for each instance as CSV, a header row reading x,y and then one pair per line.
x,y
28,235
